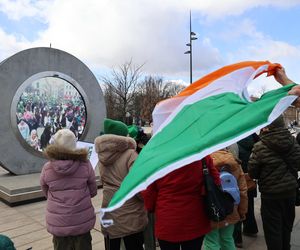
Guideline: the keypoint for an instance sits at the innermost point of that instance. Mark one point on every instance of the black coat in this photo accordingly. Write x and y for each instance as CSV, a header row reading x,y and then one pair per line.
x,y
245,148
275,161
45,138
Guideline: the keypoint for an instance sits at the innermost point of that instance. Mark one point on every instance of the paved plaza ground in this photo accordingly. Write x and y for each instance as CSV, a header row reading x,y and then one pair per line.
x,y
25,224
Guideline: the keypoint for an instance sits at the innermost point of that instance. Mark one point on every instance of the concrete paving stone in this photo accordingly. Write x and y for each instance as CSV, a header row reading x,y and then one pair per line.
x,y
7,219
97,224
295,239
15,224
30,207
5,212
26,239
42,244
96,236
35,212
21,230
297,217
253,243
40,219
96,201
99,246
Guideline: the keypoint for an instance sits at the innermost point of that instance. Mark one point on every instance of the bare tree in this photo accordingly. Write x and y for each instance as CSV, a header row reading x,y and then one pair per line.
x,y
122,86
153,90
126,93
111,103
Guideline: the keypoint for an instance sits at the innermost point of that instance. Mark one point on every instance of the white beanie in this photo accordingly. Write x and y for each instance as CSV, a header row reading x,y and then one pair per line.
x,y
65,138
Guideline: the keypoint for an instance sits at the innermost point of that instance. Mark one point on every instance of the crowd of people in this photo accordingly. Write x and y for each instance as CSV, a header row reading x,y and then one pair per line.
x,y
177,200
39,118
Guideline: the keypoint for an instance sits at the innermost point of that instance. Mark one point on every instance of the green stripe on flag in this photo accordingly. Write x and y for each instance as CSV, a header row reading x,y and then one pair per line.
x,y
197,127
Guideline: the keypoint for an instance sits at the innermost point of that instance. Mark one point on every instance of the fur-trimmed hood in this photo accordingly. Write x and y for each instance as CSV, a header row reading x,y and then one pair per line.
x,y
65,162
109,147
53,152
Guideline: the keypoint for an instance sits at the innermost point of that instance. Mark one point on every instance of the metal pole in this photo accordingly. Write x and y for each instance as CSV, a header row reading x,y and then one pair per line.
x,y
191,60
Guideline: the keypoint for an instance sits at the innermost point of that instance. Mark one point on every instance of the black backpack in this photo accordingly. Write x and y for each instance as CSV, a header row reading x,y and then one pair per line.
x,y
218,203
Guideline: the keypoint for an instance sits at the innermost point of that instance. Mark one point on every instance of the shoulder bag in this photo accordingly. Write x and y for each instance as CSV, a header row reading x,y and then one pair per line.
x,y
218,203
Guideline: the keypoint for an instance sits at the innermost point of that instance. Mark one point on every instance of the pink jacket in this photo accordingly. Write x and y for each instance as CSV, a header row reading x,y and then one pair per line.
x,y
68,181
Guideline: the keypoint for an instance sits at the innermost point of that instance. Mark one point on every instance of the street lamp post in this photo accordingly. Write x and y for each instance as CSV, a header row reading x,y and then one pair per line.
x,y
192,37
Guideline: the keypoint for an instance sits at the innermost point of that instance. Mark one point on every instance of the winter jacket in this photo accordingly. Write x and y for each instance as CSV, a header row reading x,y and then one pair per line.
x,y
68,181
221,158
116,156
178,203
268,164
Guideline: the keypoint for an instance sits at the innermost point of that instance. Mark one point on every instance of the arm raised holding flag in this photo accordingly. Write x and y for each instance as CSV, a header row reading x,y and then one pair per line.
x,y
282,78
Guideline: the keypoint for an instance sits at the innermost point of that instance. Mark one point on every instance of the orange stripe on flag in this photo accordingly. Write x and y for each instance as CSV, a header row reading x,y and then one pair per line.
x,y
206,80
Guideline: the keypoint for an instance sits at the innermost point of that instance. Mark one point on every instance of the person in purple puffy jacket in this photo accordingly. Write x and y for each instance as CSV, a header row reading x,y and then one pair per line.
x,y
68,182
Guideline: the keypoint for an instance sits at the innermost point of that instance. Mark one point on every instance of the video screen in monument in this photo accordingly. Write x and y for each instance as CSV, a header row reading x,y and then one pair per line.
x,y
47,105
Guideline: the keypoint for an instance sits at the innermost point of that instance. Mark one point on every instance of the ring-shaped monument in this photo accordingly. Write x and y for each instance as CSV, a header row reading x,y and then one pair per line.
x,y
26,67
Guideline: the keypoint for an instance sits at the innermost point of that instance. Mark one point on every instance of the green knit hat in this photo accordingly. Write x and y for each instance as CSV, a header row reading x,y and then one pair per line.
x,y
133,131
115,127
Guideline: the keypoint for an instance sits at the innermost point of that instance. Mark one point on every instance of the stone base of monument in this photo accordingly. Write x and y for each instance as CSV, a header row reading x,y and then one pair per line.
x,y
20,189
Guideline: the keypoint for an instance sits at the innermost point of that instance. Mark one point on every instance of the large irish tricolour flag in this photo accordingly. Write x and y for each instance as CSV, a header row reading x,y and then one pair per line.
x,y
208,115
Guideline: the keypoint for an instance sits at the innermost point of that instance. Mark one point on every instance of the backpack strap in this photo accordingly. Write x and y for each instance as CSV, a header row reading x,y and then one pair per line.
x,y
204,166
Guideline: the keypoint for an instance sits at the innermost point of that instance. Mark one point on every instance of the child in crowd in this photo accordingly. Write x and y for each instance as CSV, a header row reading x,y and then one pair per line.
x,y
68,182
137,133
221,237
34,140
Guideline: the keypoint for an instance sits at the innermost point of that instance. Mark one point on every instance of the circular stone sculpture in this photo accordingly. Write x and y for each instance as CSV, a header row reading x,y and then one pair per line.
x,y
19,71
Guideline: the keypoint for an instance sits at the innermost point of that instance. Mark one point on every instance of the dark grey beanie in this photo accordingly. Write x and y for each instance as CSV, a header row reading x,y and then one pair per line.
x,y
278,123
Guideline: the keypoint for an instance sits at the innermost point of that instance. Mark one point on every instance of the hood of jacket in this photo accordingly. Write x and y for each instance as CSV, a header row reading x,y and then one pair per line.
x,y
279,140
65,162
223,157
110,147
